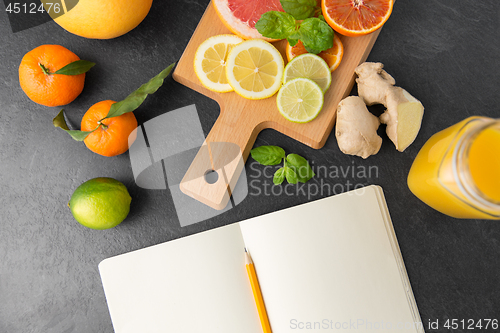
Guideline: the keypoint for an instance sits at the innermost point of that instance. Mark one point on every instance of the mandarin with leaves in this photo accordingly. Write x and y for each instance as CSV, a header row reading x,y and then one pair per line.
x,y
108,128
113,135
52,75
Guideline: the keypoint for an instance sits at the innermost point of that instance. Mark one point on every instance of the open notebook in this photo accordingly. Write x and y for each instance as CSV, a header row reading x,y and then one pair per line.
x,y
332,264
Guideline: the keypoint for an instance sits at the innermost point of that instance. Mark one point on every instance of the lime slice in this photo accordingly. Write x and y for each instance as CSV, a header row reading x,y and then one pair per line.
x,y
300,100
309,66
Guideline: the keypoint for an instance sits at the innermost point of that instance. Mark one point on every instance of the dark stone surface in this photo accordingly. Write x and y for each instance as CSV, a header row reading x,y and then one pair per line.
x,y
444,52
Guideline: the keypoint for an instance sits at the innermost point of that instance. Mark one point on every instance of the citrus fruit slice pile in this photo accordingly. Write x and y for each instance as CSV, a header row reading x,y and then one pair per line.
x,y
240,16
309,66
254,69
210,61
356,17
300,100
332,56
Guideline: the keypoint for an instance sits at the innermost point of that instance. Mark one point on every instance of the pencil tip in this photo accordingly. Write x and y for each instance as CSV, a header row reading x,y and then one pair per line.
x,y
245,249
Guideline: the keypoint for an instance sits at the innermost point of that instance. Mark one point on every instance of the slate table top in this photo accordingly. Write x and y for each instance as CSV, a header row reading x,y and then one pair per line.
x,y
445,53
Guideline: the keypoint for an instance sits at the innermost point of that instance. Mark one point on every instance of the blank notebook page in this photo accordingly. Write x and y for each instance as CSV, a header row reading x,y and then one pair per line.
x,y
194,284
327,263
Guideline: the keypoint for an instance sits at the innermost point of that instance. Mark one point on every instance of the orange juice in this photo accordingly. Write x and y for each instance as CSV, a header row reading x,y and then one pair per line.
x,y
484,163
457,171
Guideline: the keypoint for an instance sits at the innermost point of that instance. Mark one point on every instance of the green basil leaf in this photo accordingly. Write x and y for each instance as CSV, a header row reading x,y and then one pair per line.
x,y
268,155
301,167
310,50
60,122
76,68
291,176
316,35
276,25
279,176
300,9
135,99
293,39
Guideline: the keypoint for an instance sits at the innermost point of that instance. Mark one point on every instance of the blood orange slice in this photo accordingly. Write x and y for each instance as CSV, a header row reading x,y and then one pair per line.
x,y
240,16
356,17
332,56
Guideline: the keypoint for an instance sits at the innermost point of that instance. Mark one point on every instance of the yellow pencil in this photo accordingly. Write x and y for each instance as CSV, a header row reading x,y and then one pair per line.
x,y
259,301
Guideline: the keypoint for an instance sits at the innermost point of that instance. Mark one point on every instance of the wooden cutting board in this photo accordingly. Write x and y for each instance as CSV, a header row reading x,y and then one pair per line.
x,y
241,120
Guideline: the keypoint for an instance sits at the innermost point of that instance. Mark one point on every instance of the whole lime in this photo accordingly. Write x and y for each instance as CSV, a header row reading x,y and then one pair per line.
x,y
100,203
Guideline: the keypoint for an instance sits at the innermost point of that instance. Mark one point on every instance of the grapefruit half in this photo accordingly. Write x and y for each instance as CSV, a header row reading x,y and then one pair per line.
x,y
240,16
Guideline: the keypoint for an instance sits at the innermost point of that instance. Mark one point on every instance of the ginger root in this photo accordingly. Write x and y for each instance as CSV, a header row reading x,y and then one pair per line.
x,y
356,129
373,82
403,117
404,112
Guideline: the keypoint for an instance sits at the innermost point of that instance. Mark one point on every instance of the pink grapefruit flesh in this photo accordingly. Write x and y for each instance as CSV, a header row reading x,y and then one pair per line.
x,y
240,16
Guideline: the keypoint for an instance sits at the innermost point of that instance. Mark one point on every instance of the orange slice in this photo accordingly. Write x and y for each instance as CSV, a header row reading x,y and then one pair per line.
x,y
356,17
332,56
240,16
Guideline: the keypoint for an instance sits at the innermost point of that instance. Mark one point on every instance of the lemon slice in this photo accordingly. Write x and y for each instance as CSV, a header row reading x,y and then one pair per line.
x,y
210,61
309,66
254,69
300,100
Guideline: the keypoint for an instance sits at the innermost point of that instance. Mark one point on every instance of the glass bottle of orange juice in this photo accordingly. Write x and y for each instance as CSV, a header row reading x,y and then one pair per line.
x,y
457,171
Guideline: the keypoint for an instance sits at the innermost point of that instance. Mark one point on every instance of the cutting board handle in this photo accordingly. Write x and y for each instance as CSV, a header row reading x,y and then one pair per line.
x,y
224,151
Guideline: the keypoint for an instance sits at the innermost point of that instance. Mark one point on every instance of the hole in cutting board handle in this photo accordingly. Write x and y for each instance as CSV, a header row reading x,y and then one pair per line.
x,y
211,176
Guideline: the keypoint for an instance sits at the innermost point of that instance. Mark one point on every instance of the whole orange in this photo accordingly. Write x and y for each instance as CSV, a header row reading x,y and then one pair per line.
x,y
45,88
112,137
103,19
